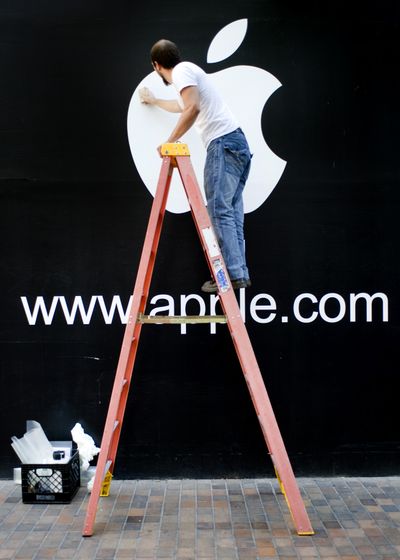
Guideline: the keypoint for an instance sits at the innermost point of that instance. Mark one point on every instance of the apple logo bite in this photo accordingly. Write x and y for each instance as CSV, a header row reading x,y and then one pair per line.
x,y
245,89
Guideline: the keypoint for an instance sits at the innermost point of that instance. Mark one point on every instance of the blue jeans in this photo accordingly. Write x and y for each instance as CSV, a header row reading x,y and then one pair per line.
x,y
226,171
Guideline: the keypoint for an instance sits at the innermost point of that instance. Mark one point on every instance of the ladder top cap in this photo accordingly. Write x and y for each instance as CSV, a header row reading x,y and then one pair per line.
x,y
175,149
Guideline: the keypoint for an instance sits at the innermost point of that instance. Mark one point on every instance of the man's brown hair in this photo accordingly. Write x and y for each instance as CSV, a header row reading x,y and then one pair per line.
x,y
166,53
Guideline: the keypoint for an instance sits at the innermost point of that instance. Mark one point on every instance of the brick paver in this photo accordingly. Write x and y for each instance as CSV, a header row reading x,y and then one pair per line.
x,y
208,520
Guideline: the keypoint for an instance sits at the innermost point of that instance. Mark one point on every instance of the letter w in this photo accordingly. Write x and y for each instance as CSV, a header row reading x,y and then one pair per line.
x,y
39,306
78,304
115,305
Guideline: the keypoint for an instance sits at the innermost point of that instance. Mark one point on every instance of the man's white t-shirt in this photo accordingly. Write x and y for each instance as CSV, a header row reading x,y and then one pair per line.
x,y
215,118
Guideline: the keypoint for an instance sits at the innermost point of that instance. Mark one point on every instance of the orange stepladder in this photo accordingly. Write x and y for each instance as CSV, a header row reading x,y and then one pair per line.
x,y
177,156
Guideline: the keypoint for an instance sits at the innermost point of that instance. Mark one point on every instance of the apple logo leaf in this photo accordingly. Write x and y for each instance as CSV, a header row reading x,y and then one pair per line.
x,y
227,41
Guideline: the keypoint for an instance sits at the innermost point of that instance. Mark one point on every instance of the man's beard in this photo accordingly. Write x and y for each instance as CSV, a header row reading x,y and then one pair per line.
x,y
162,77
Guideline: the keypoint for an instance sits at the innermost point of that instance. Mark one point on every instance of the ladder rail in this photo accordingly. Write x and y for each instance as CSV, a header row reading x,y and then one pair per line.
x,y
247,358
120,391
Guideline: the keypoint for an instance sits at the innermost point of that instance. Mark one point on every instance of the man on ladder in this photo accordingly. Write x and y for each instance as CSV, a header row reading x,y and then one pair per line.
x,y
228,158
227,168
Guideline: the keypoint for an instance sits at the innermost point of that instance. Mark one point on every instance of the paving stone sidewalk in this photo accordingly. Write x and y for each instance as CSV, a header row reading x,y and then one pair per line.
x,y
208,520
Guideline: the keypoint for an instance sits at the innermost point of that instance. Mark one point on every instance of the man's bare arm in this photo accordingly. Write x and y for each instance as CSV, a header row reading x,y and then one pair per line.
x,y
170,105
191,109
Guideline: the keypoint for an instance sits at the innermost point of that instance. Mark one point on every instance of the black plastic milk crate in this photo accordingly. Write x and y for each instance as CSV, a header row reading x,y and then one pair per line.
x,y
51,483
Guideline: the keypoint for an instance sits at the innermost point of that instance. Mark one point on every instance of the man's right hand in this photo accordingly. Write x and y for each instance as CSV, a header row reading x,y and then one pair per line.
x,y
146,96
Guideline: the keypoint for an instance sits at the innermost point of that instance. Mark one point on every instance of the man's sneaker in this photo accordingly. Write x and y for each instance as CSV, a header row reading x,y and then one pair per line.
x,y
241,283
211,287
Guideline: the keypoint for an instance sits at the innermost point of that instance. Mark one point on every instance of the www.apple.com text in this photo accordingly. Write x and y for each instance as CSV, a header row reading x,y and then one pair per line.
x,y
261,308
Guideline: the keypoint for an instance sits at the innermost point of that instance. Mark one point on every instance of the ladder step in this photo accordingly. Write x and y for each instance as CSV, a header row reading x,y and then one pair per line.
x,y
178,319
122,387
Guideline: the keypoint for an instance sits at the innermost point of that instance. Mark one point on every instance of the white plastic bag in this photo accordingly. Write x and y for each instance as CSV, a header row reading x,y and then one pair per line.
x,y
86,446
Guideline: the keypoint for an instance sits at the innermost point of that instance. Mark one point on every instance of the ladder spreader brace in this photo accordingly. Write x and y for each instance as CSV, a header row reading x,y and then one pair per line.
x,y
177,155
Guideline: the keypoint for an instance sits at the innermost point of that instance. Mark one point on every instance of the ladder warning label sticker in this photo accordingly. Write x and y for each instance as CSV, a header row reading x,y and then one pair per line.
x,y
220,275
211,242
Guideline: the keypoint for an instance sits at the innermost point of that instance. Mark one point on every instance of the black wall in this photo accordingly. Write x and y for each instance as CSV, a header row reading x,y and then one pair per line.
x,y
74,212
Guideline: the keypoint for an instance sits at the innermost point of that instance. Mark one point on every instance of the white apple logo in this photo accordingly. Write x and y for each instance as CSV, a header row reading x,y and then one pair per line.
x,y
245,89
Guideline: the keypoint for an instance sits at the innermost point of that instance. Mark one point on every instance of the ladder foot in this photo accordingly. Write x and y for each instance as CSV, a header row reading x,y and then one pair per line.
x,y
87,533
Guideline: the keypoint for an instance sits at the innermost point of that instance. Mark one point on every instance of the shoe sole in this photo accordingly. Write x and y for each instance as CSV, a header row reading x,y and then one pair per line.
x,y
235,286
